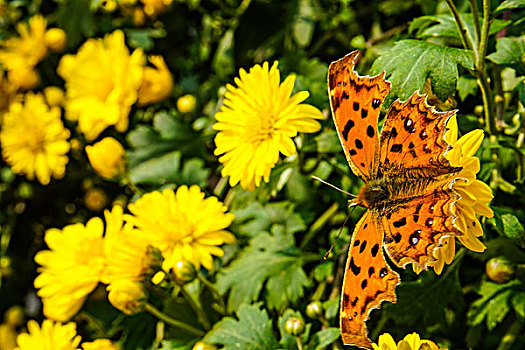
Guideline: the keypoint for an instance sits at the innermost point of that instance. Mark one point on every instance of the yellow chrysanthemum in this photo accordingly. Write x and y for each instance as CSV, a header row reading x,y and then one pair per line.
x,y
34,140
102,81
99,344
107,157
410,342
52,336
71,269
183,225
157,82
475,195
258,120
24,52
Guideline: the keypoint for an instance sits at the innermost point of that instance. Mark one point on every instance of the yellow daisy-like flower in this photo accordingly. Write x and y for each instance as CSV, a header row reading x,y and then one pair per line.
x,y
34,140
475,195
410,342
157,82
24,52
71,269
183,225
102,83
258,120
51,336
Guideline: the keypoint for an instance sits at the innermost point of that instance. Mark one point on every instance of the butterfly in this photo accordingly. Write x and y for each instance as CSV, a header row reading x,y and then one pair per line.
x,y
407,189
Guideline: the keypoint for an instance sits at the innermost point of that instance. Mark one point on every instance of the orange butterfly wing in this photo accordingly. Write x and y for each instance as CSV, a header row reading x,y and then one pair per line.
x,y
367,282
355,102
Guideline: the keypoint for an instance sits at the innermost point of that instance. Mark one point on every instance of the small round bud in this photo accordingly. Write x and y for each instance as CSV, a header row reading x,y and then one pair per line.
x,y
478,110
127,296
55,39
314,309
500,269
499,99
108,5
54,95
294,326
183,272
14,316
95,199
200,345
186,103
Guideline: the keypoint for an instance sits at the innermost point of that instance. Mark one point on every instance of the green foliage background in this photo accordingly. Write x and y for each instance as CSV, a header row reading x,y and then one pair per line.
x,y
276,268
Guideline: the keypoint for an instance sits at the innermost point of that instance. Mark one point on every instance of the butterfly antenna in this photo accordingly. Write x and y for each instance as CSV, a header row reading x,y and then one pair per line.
x,y
352,206
334,187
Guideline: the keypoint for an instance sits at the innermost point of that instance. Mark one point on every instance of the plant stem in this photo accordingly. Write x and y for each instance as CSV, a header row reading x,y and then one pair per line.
x,y
475,15
214,291
466,40
173,322
299,343
483,42
128,182
510,337
318,224
201,315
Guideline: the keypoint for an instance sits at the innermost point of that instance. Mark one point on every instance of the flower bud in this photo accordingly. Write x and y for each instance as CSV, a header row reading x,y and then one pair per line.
x,y
157,82
200,345
99,344
314,309
127,296
186,103
108,5
14,316
95,199
500,269
55,39
294,326
183,272
54,95
107,157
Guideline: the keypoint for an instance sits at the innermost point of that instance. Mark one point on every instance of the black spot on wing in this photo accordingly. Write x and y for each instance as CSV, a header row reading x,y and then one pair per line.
x,y
356,106
400,222
355,269
397,148
349,125
370,131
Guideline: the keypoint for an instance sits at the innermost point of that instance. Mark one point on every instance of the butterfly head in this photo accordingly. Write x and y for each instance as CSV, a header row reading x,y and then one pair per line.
x,y
373,194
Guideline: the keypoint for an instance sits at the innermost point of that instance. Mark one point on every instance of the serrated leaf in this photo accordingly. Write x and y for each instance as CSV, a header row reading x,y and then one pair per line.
x,y
509,52
323,270
466,86
427,297
156,171
444,26
252,331
256,218
509,4
324,338
494,303
269,258
410,62
288,341
513,228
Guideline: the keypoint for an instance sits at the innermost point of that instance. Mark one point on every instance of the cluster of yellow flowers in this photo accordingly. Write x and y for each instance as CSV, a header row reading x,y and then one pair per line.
x,y
410,342
163,228
138,10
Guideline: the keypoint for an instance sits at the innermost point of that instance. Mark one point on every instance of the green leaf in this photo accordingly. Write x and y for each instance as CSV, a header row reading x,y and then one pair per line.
x,y
513,228
324,338
328,142
176,345
252,331
410,62
444,26
77,19
324,270
156,171
494,303
304,24
256,218
509,52
269,258
223,61
518,303
427,298
143,38
466,86
288,341
331,307
508,5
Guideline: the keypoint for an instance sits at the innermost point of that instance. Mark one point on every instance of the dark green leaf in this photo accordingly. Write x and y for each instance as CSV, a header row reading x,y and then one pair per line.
x,y
269,258
518,303
223,62
328,142
252,331
466,86
77,19
509,52
156,171
143,38
513,228
509,5
324,338
410,62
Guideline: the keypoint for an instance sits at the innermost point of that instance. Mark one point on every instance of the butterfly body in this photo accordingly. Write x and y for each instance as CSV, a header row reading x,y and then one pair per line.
x,y
407,188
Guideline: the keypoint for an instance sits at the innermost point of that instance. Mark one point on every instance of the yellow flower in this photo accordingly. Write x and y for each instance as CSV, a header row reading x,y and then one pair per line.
x,y
52,335
23,53
258,120
183,225
127,296
102,81
107,157
7,94
24,77
71,269
55,39
475,195
54,95
99,344
154,7
34,141
186,103
157,82
410,342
